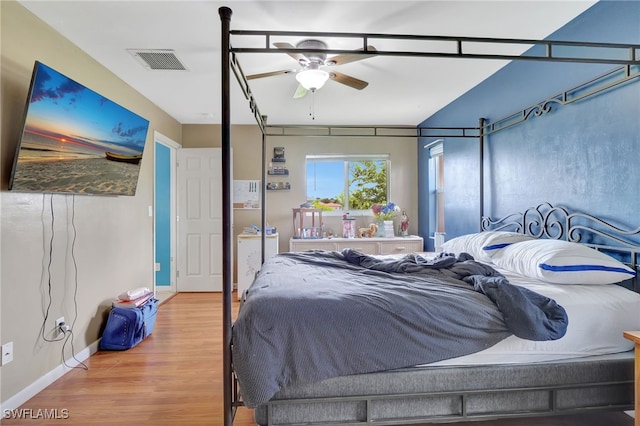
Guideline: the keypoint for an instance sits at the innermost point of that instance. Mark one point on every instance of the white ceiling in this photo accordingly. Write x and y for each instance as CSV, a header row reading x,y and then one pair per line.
x,y
401,91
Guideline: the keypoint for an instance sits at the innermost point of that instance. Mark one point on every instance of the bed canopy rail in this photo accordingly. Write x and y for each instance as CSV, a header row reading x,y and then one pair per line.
x,y
456,47
372,131
627,55
234,65
595,86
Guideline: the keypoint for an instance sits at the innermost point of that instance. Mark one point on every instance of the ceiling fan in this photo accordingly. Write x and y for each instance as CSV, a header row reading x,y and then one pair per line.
x,y
312,75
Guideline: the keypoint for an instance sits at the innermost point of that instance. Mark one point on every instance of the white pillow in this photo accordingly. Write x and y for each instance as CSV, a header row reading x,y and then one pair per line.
x,y
483,245
562,262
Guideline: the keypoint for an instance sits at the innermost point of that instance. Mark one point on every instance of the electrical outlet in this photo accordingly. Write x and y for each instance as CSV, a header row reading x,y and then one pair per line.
x,y
60,326
7,353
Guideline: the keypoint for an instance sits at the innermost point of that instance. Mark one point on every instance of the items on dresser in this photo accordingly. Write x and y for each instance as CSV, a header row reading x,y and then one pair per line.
x,y
307,223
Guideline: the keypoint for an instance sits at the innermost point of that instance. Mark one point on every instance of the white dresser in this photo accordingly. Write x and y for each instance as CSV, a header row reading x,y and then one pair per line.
x,y
395,245
250,257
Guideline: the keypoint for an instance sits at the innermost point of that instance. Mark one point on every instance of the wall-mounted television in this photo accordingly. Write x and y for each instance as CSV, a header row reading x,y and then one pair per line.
x,y
76,141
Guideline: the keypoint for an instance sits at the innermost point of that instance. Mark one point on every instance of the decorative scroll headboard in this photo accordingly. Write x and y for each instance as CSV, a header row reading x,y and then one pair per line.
x,y
547,221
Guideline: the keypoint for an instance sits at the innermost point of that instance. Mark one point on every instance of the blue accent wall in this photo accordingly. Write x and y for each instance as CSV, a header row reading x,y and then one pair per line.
x,y
163,214
583,156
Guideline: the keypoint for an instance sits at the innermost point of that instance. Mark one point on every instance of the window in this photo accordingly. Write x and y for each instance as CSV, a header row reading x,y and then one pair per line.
x,y
436,165
347,182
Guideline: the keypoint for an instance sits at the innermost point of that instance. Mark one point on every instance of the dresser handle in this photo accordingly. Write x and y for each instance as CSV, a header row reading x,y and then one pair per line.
x,y
401,248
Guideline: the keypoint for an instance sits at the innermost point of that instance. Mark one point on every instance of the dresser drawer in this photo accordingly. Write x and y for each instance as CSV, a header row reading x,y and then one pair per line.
x,y
361,245
320,244
400,246
376,245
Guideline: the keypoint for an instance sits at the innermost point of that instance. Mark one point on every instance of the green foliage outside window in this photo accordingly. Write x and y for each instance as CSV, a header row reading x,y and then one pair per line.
x,y
367,184
358,183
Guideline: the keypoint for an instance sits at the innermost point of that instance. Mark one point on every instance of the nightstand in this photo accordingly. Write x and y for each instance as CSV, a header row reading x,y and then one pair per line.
x,y
634,336
250,257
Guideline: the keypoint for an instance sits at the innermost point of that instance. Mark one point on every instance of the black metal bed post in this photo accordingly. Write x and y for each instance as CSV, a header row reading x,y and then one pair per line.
x,y
263,195
481,122
225,18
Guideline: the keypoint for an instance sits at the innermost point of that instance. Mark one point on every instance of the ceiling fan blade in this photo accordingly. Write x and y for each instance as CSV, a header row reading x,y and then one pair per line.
x,y
349,57
348,80
297,56
269,74
300,92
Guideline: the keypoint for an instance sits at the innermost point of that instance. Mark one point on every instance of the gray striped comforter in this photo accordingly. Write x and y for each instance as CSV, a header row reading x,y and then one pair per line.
x,y
314,315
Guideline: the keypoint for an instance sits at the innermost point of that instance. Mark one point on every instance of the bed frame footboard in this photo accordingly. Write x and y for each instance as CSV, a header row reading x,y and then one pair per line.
x,y
454,394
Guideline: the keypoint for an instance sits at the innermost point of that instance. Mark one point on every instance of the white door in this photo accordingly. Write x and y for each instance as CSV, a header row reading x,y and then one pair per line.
x,y
200,219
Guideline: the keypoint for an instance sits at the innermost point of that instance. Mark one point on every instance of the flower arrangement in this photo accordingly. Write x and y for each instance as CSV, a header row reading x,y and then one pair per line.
x,y
382,212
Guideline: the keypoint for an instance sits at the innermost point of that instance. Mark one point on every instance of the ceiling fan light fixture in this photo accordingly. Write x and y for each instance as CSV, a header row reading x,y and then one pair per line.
x,y
312,79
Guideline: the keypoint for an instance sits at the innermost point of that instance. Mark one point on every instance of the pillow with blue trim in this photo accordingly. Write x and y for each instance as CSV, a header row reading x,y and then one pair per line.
x,y
562,262
483,245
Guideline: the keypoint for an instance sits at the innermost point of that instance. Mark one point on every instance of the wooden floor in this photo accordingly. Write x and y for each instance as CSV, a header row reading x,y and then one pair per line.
x,y
174,377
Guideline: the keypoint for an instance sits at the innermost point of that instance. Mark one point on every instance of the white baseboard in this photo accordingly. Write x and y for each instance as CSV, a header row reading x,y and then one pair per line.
x,y
40,384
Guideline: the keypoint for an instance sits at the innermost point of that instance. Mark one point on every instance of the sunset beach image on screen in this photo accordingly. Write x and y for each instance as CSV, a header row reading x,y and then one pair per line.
x,y
75,140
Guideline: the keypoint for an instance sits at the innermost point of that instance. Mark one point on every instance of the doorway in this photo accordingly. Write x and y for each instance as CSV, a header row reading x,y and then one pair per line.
x,y
165,216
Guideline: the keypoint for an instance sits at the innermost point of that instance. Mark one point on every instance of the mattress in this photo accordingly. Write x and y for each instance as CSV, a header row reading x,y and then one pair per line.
x,y
598,314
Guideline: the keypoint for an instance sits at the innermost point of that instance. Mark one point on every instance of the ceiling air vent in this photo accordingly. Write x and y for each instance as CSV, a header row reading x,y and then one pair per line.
x,y
158,59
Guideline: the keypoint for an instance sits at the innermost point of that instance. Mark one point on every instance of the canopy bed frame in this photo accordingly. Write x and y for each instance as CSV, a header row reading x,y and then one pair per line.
x,y
596,383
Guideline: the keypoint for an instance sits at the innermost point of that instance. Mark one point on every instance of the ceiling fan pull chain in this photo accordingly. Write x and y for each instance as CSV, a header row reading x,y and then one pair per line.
x,y
312,109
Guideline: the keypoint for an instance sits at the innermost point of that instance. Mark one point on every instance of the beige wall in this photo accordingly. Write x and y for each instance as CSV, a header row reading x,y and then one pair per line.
x,y
114,241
